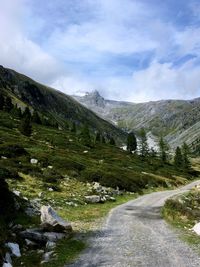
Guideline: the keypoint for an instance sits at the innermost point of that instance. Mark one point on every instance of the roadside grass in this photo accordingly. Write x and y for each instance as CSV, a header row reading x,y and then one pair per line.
x,y
183,212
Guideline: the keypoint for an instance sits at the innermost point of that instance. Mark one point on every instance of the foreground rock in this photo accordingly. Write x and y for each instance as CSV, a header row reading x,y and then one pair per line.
x,y
14,248
196,228
50,221
39,236
93,199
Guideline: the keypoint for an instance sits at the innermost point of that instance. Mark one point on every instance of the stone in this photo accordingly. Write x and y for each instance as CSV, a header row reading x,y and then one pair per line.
x,y
46,256
17,193
93,199
30,243
50,221
34,161
50,245
14,247
34,235
7,264
8,258
53,236
196,228
50,189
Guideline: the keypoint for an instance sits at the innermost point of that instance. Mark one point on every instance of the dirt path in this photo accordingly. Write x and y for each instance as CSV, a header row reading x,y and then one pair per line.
x,y
134,234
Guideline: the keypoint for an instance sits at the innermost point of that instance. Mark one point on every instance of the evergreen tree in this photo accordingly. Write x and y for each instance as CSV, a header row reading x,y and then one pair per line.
x,y
152,153
2,102
143,143
178,159
73,129
27,113
131,142
103,140
163,147
85,136
8,106
112,141
185,155
25,126
36,117
98,137
16,112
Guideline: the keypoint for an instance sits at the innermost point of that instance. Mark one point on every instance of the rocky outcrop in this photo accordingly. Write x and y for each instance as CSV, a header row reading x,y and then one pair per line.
x,y
50,221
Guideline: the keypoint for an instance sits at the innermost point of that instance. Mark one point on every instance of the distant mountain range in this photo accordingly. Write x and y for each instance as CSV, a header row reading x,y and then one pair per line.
x,y
53,104
177,120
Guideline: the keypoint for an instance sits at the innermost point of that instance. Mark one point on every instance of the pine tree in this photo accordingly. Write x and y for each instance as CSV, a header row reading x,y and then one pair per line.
x,y
103,139
73,129
143,143
98,137
178,158
185,155
2,102
85,136
36,117
8,106
25,126
27,113
16,112
131,142
163,147
112,141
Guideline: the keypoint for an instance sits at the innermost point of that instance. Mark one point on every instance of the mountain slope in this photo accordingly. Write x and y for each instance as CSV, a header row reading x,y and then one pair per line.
x,y
54,104
174,119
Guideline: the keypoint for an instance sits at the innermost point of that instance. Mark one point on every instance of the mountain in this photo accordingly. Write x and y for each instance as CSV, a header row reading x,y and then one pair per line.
x,y
53,104
177,120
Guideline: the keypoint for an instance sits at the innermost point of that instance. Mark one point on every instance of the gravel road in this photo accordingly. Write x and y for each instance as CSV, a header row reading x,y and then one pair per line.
x,y
134,234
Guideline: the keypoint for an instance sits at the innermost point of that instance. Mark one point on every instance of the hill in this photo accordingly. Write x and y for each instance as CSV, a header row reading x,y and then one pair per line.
x,y
176,120
54,105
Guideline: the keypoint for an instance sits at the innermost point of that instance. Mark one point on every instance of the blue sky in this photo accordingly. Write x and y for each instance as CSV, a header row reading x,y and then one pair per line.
x,y
135,50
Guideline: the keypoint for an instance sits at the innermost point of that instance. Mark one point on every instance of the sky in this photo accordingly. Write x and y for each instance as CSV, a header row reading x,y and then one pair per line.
x,y
132,50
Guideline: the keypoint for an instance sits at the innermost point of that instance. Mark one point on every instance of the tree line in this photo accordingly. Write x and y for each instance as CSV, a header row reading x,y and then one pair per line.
x,y
140,145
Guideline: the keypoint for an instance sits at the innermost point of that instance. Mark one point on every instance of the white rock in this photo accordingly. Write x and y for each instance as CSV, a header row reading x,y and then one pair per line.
x,y
50,245
50,167
34,161
8,258
52,222
196,228
3,157
17,193
85,152
93,199
50,189
14,247
7,264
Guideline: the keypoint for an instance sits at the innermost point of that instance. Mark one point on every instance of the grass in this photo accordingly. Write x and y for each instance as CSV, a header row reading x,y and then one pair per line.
x,y
183,212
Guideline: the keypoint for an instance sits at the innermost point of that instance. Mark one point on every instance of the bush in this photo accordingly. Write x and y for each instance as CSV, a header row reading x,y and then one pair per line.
x,y
12,151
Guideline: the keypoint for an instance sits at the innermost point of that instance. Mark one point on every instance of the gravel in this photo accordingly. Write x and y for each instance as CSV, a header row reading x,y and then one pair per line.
x,y
134,234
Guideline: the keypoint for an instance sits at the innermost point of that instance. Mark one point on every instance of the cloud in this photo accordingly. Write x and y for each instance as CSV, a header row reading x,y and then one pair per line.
x,y
18,51
127,49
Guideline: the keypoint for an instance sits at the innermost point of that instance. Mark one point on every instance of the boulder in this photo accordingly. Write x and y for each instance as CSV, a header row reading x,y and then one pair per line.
x,y
93,199
53,236
34,161
196,228
50,245
47,257
34,235
8,258
50,221
38,236
14,248
7,264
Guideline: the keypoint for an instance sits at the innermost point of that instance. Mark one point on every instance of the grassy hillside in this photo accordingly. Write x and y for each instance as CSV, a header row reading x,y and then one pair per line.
x,y
177,120
53,104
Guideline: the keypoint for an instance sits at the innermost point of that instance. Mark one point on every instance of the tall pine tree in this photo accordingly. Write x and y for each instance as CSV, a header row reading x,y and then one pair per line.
x,y
131,142
163,148
178,159
143,147
25,126
185,155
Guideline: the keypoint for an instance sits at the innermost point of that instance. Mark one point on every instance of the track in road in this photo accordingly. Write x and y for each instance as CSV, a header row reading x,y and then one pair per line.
x,y
135,235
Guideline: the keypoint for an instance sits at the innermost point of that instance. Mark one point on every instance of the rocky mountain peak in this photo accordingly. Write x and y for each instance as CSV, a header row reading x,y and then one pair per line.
x,y
94,98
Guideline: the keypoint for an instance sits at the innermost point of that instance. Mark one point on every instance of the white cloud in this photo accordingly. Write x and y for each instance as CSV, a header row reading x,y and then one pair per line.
x,y
19,52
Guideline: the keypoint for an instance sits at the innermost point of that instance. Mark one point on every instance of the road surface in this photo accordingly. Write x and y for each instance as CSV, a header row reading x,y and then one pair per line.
x,y
134,234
